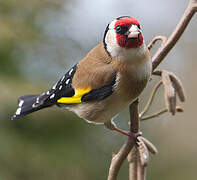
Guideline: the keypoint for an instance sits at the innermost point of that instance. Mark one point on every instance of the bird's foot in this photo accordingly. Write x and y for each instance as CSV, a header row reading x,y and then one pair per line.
x,y
135,137
110,125
129,134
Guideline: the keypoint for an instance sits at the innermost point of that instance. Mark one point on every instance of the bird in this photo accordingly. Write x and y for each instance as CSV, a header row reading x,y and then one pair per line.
x,y
103,83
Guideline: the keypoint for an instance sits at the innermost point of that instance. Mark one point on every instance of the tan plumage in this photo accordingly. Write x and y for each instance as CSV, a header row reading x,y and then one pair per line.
x,y
94,70
97,69
105,81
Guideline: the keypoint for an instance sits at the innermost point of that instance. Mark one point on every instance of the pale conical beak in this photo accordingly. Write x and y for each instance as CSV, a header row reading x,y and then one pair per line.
x,y
133,32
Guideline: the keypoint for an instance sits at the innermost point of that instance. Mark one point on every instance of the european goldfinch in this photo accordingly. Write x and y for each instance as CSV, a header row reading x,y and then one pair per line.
x,y
104,82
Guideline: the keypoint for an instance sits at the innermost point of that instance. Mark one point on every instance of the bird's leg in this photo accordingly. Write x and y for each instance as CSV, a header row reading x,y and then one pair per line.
x,y
121,131
111,125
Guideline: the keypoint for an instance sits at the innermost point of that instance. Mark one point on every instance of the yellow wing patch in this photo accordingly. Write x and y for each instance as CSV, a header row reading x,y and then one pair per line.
x,y
76,98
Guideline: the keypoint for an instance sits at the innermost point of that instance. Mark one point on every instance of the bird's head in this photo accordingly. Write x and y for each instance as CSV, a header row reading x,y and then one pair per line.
x,y
123,35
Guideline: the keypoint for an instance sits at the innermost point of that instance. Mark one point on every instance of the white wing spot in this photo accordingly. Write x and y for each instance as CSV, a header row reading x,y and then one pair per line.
x,y
70,71
48,93
54,87
52,96
60,87
34,105
62,78
37,99
21,103
67,81
18,111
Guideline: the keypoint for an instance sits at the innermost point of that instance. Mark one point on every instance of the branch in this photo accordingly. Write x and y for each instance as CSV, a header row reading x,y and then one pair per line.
x,y
136,170
133,164
138,159
172,40
119,158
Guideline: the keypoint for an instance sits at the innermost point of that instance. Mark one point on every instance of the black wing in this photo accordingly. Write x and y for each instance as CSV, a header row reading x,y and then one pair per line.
x,y
31,103
100,93
63,88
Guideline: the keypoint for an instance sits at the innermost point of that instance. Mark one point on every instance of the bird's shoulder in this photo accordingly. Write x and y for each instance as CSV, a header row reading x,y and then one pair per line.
x,y
94,70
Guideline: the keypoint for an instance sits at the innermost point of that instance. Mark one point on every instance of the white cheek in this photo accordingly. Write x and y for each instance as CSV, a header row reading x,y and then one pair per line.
x,y
112,24
118,52
112,46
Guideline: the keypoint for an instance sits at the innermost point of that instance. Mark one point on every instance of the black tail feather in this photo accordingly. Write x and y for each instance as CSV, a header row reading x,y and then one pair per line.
x,y
26,105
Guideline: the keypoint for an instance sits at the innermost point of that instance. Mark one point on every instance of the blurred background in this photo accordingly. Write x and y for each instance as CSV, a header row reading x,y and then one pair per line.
x,y
39,41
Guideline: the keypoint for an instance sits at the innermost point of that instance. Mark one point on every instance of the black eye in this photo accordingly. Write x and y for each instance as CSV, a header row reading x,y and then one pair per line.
x,y
118,29
121,29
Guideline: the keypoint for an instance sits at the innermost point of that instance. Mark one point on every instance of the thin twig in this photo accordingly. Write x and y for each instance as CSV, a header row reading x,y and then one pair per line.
x,y
172,85
151,98
156,114
157,38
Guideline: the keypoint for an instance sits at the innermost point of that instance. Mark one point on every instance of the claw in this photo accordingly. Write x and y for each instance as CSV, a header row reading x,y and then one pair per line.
x,y
133,135
136,135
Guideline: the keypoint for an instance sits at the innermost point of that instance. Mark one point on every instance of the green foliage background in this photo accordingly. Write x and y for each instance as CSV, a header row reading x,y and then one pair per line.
x,y
38,43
